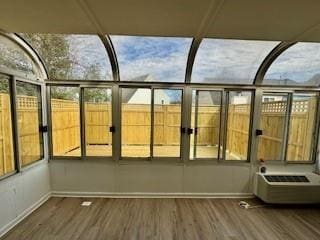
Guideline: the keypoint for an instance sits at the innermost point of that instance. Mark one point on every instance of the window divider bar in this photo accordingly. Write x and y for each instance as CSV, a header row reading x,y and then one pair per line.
x,y
220,124
49,122
251,131
186,122
15,129
82,125
284,149
116,122
225,124
152,124
316,146
195,137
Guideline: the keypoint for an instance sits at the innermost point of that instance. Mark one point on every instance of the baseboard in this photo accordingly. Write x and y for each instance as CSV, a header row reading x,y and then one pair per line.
x,y
149,195
24,214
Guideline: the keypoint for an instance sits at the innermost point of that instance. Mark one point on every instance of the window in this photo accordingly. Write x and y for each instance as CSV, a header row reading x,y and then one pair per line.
x,y
98,120
228,61
205,122
301,127
65,117
81,57
238,125
13,58
7,163
271,144
135,122
167,122
29,113
298,65
148,59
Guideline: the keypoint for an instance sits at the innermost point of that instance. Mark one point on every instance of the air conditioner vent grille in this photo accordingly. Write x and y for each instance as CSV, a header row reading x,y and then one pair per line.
x,y
286,178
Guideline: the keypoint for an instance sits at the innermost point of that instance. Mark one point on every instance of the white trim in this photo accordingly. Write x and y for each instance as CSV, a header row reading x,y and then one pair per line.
x,y
24,214
149,195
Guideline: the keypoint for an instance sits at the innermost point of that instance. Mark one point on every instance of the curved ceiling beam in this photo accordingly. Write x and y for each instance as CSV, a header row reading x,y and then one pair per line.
x,y
106,40
191,57
269,59
32,53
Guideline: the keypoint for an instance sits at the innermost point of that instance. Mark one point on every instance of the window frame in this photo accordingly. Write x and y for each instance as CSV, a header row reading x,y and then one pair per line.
x,y
135,159
221,127
84,155
226,116
116,105
285,134
17,166
37,79
315,130
50,125
42,118
182,110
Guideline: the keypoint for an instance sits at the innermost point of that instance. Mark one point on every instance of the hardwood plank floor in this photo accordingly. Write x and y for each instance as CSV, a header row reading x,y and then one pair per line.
x,y
64,218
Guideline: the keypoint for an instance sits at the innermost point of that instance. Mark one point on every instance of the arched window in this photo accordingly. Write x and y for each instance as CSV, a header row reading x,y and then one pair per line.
x,y
298,65
160,59
14,58
75,57
226,61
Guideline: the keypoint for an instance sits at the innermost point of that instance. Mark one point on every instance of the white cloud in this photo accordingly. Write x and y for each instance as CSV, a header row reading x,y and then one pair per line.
x,y
164,58
299,63
230,60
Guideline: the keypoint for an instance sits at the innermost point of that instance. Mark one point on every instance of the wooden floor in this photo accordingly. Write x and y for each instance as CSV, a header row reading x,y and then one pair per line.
x,y
185,219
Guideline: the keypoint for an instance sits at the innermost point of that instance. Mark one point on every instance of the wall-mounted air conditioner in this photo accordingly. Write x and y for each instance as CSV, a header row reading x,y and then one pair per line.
x,y
288,187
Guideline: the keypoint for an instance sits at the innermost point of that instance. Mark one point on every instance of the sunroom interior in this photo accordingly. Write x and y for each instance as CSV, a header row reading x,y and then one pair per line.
x,y
212,102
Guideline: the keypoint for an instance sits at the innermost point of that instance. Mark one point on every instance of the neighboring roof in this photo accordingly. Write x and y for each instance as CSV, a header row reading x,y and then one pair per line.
x,y
129,92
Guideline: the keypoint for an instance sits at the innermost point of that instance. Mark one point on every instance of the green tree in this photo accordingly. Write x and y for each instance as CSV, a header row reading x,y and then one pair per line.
x,y
54,50
13,57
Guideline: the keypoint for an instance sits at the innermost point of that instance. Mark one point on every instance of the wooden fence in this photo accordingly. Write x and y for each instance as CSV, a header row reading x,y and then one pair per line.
x,y
136,121
6,145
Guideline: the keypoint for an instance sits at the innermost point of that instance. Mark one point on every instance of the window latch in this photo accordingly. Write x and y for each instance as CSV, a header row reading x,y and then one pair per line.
x,y
112,129
190,131
183,130
258,132
43,128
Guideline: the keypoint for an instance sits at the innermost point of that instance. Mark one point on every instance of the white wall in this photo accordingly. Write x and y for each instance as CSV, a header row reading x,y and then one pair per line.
x,y
20,193
109,178
102,177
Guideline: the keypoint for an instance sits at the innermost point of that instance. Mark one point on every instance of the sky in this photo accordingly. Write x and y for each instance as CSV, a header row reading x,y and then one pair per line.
x,y
228,61
163,58
300,63
217,60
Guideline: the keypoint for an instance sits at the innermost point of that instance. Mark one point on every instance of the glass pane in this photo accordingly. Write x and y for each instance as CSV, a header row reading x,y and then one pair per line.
x,y
65,117
13,57
81,57
239,108
272,123
229,61
302,125
135,122
98,119
167,122
205,120
298,65
149,59
7,164
29,122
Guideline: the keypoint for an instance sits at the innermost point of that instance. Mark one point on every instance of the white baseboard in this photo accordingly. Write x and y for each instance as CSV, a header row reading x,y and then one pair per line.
x,y
149,195
24,214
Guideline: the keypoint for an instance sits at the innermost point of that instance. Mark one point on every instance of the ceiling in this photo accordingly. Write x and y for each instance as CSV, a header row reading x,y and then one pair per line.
x,y
286,20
